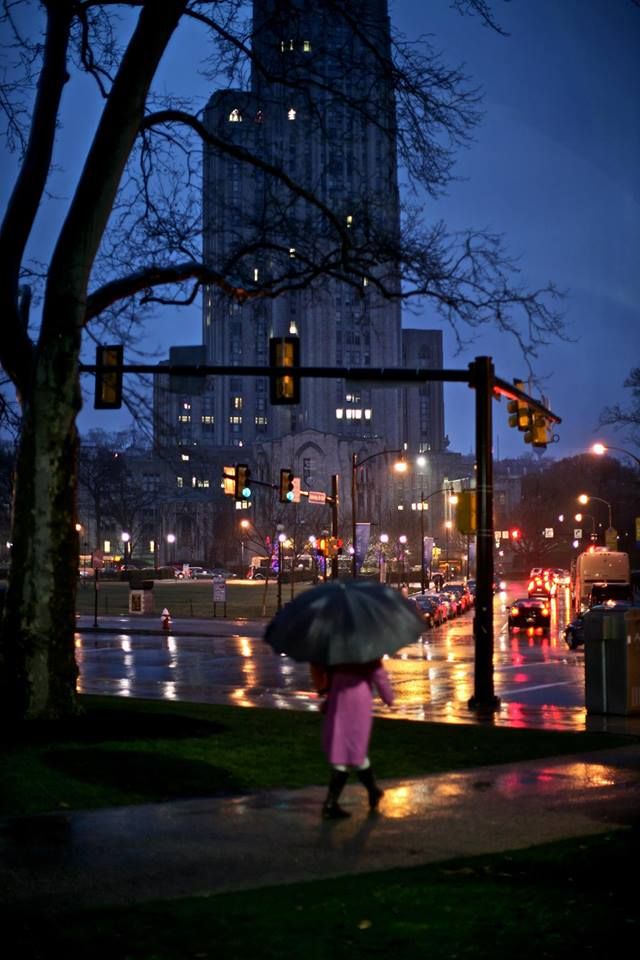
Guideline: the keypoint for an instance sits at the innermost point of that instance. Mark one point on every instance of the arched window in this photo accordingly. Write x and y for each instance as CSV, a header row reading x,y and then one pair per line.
x,y
235,116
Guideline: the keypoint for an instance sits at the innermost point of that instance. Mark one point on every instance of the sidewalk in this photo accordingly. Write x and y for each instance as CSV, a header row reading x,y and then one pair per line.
x,y
57,862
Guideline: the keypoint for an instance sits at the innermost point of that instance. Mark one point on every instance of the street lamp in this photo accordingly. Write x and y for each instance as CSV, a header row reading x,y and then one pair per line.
x,y
400,467
579,517
601,448
126,538
244,526
171,539
584,498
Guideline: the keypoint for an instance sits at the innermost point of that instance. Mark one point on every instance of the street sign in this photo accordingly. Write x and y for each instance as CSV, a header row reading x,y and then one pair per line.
x,y
219,590
317,496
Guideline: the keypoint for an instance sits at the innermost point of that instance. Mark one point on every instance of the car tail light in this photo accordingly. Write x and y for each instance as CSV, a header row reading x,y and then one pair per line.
x,y
545,611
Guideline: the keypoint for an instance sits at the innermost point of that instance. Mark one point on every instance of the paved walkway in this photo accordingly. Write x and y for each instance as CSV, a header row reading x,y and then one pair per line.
x,y
124,855
55,862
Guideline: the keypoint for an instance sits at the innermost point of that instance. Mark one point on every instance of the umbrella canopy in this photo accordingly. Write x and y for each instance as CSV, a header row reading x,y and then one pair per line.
x,y
352,621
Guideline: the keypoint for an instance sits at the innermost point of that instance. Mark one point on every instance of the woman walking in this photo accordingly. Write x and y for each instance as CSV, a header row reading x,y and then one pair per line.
x,y
347,728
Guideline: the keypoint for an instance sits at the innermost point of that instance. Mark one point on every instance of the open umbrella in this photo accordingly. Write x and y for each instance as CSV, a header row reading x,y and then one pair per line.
x,y
352,621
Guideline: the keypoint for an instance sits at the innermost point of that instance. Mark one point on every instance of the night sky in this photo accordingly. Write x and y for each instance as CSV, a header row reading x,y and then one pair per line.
x,y
554,167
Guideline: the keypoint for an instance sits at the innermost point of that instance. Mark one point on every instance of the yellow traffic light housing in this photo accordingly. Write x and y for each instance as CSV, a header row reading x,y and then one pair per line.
x,y
285,387
539,434
467,512
242,480
519,412
108,394
286,486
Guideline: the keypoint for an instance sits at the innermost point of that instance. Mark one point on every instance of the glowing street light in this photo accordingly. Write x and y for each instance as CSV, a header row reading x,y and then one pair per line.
x,y
601,448
584,498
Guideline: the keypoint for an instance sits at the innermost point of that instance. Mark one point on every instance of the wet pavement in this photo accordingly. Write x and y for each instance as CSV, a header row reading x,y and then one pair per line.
x,y
198,847
62,861
540,683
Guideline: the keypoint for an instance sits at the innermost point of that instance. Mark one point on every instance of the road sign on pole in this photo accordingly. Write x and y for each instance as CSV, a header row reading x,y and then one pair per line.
x,y
317,496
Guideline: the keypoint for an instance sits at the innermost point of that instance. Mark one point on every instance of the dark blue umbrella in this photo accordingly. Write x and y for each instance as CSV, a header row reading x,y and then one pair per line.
x,y
351,621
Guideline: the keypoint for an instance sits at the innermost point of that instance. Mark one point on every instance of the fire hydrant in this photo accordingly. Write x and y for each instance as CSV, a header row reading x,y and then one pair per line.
x,y
165,619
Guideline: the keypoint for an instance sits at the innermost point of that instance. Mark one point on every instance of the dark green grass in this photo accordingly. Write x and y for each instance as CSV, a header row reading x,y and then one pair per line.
x,y
562,900
124,751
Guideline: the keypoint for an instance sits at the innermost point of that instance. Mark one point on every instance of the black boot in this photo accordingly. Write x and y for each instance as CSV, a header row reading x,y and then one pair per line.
x,y
331,809
367,778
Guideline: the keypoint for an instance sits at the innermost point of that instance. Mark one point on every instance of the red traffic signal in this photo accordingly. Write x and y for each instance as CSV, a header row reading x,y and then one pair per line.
x,y
515,533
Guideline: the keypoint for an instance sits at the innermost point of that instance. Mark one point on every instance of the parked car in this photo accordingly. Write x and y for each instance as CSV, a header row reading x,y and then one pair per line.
x,y
462,592
574,631
529,612
429,609
221,573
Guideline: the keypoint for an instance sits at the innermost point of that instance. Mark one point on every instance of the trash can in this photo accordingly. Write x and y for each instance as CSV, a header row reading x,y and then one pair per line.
x,y
141,596
612,661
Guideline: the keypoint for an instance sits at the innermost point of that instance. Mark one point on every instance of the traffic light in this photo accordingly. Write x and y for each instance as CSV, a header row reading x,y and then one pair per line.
x,y
242,481
284,387
108,395
514,533
519,412
286,486
466,512
539,433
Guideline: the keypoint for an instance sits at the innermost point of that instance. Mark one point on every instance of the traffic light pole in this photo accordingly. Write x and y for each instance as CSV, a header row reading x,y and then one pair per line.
x,y
483,696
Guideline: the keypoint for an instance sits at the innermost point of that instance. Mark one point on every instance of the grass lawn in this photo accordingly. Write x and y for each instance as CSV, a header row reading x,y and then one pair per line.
x,y
558,901
124,751
562,900
187,598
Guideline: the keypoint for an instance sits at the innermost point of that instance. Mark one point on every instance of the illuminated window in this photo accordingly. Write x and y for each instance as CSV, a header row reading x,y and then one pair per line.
x,y
185,457
291,114
349,221
339,413
180,481
235,116
235,419
186,405
256,274
306,46
367,414
292,252
208,419
261,420
236,403
184,418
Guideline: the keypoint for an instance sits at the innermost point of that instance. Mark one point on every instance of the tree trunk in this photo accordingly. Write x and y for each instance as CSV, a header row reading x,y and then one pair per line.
x,y
37,656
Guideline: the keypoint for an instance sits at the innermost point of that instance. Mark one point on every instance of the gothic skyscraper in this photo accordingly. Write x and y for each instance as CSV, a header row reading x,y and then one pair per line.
x,y
321,109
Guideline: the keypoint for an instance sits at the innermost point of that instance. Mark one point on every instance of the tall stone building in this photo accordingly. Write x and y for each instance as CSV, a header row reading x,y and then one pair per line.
x,y
319,106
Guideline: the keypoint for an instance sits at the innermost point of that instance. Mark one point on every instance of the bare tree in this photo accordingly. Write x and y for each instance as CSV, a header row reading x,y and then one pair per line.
x,y
130,238
626,418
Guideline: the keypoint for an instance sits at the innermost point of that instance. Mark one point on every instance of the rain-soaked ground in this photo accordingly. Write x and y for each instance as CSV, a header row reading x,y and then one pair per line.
x,y
538,680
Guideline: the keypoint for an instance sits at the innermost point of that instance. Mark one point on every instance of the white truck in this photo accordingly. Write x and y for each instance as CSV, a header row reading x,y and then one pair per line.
x,y
600,566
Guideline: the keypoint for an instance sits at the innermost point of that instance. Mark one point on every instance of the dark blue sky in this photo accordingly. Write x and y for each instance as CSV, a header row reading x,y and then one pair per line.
x,y
554,167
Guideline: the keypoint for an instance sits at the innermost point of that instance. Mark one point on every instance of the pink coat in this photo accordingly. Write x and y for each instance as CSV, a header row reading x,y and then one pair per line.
x,y
348,718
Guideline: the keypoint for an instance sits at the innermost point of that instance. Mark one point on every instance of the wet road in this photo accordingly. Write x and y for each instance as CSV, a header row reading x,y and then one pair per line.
x,y
539,681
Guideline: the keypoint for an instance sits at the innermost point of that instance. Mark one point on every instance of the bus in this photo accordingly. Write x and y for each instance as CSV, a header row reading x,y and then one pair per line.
x,y
597,565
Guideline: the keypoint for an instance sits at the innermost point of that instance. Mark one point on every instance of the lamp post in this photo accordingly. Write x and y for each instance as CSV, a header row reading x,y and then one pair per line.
x,y
585,498
601,448
244,526
126,540
384,540
171,539
579,517
355,463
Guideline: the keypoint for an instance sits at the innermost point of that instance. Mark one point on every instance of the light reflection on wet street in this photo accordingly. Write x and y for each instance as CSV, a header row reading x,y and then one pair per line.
x,y
539,681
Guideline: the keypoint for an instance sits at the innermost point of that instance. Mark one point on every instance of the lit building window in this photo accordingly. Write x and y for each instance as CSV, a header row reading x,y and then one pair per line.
x,y
207,419
306,46
184,418
236,403
349,221
186,405
185,457
235,116
261,420
367,414
256,274
292,252
291,114
339,413
180,481
235,419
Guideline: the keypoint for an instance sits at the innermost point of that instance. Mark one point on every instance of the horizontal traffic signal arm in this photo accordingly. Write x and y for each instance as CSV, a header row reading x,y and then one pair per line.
x,y
502,388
